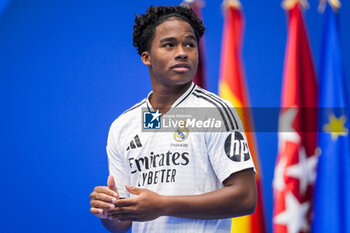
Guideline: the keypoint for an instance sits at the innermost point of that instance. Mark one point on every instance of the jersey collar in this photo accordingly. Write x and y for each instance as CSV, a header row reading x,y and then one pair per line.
x,y
177,102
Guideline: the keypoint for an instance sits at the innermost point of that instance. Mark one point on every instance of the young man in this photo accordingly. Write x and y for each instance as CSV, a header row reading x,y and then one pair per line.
x,y
179,181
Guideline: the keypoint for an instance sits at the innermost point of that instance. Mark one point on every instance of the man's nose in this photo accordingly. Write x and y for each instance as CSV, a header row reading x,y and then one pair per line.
x,y
181,53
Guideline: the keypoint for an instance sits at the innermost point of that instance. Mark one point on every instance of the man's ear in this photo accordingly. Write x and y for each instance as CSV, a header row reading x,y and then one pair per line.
x,y
146,58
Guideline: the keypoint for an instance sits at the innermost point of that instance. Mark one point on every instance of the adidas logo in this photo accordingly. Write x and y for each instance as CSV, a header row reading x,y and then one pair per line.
x,y
135,143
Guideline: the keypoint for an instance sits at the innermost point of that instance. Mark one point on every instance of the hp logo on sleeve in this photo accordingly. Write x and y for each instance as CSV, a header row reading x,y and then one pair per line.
x,y
236,148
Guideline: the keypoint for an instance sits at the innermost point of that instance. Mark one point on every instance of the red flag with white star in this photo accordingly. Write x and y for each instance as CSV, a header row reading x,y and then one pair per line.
x,y
295,165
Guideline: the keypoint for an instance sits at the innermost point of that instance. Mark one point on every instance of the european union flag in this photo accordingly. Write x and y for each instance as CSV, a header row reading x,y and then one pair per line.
x,y
332,188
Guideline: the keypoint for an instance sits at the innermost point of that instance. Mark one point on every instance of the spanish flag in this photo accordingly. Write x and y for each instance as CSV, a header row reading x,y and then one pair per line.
x,y
232,86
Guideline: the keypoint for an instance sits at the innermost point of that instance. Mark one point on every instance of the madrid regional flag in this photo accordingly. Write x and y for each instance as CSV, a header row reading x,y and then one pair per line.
x,y
297,156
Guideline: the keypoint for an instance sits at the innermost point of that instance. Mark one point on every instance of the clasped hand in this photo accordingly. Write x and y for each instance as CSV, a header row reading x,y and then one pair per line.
x,y
144,206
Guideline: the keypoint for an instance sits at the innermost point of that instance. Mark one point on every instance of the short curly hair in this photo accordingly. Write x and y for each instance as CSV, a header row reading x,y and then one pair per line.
x,y
145,24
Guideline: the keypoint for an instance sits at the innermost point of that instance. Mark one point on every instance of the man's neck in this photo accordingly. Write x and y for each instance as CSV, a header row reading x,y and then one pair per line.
x,y
163,98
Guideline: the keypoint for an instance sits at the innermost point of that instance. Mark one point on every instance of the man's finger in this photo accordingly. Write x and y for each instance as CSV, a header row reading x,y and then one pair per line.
x,y
123,210
103,197
101,205
111,184
125,202
106,190
133,190
98,212
126,217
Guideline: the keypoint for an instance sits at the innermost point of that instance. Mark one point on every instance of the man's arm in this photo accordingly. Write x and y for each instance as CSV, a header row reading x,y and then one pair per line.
x,y
115,226
102,201
236,198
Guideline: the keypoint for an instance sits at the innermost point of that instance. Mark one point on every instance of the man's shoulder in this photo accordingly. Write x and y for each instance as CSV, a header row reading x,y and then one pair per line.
x,y
130,115
206,98
133,110
215,107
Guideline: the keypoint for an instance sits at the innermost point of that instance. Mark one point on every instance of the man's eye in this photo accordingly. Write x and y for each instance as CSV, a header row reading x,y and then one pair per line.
x,y
168,45
190,45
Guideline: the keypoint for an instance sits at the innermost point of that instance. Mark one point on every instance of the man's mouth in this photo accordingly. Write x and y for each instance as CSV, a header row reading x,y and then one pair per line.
x,y
181,67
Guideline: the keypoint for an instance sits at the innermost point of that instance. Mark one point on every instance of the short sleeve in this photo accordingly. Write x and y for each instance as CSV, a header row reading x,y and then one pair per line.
x,y
229,151
116,162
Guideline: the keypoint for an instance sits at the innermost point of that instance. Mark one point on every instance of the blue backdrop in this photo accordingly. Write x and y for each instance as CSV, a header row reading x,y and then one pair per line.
x,y
68,69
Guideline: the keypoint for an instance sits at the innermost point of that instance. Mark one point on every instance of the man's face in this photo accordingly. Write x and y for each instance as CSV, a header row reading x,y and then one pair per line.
x,y
173,56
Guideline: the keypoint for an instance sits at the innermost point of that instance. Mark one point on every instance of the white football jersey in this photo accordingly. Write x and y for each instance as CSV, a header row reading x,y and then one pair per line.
x,y
180,162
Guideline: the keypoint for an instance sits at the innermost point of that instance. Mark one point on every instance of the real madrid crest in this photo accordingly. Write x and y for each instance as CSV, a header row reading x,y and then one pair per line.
x,y
181,134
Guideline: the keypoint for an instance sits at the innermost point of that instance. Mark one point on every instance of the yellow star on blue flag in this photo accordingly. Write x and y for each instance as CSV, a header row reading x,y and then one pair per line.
x,y
332,187
336,126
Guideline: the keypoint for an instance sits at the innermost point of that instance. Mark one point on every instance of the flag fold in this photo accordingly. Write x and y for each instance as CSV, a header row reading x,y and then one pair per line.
x,y
332,189
233,87
296,162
